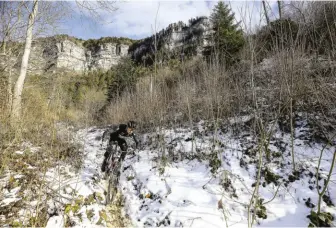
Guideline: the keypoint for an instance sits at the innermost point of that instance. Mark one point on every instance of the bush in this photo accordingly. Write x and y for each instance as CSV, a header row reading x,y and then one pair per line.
x,y
320,32
278,35
125,78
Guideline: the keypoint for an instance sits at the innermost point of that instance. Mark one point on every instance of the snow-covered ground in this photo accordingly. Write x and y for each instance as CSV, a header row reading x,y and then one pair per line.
x,y
82,192
187,194
195,177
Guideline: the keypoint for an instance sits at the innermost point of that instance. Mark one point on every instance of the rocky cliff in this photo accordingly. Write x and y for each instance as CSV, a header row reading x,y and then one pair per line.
x,y
66,53
177,40
51,54
105,55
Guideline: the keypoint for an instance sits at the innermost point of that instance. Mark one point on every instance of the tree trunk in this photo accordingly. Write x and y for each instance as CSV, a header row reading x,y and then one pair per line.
x,y
16,107
265,12
4,46
279,8
9,91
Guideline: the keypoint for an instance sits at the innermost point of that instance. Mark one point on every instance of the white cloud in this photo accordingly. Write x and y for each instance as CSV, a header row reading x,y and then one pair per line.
x,y
137,18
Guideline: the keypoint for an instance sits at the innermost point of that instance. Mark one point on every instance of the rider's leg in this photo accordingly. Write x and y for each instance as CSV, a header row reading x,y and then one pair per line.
x,y
123,146
106,154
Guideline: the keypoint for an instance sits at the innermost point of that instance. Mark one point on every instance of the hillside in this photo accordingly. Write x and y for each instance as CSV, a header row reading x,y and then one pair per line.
x,y
236,128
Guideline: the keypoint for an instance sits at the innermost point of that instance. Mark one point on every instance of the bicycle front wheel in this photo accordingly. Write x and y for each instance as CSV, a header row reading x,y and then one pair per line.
x,y
111,189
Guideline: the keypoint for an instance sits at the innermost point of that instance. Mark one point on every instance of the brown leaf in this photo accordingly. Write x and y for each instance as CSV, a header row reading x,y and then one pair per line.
x,y
220,204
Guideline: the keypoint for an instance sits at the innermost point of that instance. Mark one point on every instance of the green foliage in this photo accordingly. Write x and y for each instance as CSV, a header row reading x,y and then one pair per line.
x,y
102,217
125,78
90,214
323,219
93,80
174,64
214,163
261,209
16,224
228,38
59,38
271,177
93,44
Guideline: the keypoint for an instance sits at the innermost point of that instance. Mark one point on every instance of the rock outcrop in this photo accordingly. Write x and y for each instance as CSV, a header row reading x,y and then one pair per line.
x,y
65,53
177,39
105,55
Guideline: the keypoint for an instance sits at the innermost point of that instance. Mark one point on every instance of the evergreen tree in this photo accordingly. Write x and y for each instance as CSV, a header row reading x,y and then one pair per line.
x,y
227,38
124,78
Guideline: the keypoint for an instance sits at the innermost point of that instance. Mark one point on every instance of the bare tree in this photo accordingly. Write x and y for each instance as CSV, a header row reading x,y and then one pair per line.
x,y
266,13
279,8
16,107
11,25
295,10
11,22
43,21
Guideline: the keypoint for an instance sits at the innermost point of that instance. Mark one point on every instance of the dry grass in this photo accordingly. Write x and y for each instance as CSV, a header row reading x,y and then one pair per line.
x,y
197,88
200,90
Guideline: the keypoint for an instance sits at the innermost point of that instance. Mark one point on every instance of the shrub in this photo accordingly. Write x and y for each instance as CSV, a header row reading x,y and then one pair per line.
x,y
125,77
278,35
321,29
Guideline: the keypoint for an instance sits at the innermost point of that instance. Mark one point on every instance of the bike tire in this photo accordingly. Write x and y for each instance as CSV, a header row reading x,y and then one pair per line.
x,y
108,193
112,188
113,191
112,183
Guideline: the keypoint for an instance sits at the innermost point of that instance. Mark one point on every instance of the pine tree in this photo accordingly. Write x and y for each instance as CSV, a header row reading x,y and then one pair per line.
x,y
227,38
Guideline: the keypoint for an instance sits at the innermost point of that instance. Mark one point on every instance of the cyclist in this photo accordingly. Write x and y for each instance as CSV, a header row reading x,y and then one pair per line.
x,y
125,130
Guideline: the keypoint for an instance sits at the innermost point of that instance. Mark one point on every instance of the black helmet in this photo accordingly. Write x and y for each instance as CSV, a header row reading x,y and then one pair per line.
x,y
131,124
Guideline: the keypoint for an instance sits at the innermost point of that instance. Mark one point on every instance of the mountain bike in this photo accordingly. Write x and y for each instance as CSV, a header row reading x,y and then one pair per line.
x,y
112,172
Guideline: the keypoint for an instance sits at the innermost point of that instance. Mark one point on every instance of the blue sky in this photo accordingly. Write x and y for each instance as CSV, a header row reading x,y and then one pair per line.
x,y
136,19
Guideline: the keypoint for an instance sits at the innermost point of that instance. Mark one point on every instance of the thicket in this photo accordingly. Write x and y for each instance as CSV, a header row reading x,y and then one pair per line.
x,y
313,31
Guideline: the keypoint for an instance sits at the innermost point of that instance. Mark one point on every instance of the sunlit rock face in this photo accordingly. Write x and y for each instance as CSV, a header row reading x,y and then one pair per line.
x,y
67,55
177,39
64,53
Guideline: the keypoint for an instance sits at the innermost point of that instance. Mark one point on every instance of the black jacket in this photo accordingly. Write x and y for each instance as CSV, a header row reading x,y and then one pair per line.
x,y
121,131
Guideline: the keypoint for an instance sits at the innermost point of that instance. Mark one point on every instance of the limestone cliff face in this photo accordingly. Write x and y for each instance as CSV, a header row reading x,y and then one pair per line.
x,y
67,55
177,39
70,56
105,55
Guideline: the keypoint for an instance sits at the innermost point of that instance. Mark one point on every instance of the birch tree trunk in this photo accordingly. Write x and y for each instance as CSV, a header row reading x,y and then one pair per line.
x,y
16,107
